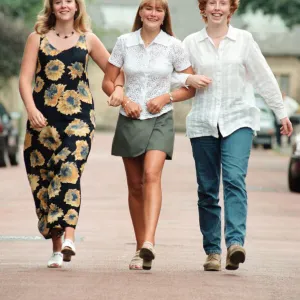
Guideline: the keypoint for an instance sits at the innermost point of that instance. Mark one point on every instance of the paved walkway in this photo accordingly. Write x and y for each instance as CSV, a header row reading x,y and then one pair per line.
x,y
105,241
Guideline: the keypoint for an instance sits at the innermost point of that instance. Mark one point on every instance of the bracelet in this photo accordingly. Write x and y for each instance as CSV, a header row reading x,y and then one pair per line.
x,y
120,85
126,103
171,98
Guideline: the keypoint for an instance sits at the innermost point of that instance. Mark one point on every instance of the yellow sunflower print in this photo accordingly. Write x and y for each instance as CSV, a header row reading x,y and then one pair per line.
x,y
47,175
38,67
54,69
69,173
36,158
54,213
54,187
42,225
76,70
39,84
82,150
93,117
77,128
84,92
36,129
69,104
38,212
82,168
61,156
92,135
86,65
28,140
72,198
34,181
81,43
71,217
50,138
53,93
42,195
48,49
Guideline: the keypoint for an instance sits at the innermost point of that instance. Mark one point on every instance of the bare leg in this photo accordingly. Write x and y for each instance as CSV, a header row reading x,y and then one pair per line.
x,y
153,166
134,173
70,233
56,240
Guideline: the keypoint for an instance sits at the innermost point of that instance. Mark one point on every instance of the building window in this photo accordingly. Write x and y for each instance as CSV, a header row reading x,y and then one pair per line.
x,y
284,82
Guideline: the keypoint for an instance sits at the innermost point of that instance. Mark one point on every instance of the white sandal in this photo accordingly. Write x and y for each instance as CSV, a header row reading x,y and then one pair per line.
x,y
55,260
136,263
68,250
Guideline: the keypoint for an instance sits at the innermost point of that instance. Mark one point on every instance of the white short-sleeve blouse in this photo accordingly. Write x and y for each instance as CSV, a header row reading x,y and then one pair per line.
x,y
148,70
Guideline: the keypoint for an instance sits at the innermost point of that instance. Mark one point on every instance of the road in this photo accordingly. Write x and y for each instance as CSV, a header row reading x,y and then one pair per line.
x,y
105,241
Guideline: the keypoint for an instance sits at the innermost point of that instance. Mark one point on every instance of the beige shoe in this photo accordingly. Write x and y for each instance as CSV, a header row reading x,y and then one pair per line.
x,y
236,255
136,262
213,262
68,250
147,253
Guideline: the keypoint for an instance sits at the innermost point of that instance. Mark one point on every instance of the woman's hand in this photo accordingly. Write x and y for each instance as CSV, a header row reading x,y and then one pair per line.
x,y
36,118
156,104
116,97
198,81
132,109
287,127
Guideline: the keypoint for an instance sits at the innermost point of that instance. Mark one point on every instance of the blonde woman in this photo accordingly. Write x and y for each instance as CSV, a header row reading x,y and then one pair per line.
x,y
227,62
61,119
144,135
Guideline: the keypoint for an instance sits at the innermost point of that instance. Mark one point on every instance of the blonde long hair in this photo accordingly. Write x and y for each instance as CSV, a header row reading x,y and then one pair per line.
x,y
167,24
46,19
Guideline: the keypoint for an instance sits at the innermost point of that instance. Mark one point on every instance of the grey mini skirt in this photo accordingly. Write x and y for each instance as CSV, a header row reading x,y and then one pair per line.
x,y
135,137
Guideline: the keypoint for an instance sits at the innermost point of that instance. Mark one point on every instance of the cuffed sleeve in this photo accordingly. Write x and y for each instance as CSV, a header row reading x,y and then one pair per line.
x,y
178,80
263,79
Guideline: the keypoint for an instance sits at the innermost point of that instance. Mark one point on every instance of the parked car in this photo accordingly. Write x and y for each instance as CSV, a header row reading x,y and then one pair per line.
x,y
266,135
9,139
294,167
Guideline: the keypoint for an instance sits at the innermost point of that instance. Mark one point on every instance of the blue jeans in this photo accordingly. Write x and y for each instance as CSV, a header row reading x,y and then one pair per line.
x,y
232,154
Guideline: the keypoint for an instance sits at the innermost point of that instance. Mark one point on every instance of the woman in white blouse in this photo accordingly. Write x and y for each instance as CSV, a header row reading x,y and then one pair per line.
x,y
227,62
144,135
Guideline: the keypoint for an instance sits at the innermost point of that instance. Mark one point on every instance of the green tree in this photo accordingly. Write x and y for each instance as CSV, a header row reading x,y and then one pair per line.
x,y
12,42
20,9
288,10
16,17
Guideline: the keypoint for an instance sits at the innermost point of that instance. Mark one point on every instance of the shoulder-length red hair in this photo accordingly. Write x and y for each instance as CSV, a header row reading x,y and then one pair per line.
x,y
234,4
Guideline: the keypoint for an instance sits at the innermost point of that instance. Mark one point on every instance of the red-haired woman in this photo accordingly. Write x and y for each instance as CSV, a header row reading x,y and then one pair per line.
x,y
227,62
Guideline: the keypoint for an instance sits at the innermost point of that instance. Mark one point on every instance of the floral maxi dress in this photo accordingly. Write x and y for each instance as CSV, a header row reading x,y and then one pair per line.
x,y
56,154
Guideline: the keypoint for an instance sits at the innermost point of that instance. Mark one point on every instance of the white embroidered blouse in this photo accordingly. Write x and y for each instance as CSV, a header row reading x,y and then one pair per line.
x,y
148,70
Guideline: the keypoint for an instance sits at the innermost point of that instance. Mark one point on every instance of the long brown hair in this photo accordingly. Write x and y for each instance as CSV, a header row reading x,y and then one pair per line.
x,y
167,24
46,19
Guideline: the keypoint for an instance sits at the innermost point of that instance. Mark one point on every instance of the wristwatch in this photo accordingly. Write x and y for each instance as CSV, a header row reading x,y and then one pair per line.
x,y
171,98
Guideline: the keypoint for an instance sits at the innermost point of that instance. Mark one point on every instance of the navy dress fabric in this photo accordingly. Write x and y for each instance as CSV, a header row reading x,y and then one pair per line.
x,y
56,154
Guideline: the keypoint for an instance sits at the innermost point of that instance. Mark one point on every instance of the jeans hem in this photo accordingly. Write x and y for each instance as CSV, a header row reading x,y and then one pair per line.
x,y
234,243
213,252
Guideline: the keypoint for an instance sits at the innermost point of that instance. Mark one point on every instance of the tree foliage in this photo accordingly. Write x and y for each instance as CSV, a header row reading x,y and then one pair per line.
x,y
12,42
288,10
16,17
26,10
